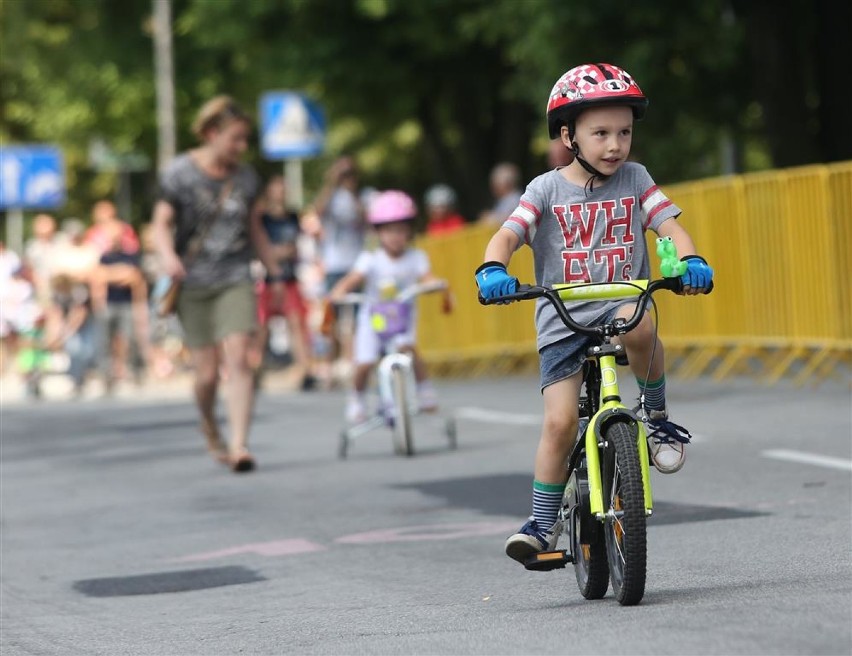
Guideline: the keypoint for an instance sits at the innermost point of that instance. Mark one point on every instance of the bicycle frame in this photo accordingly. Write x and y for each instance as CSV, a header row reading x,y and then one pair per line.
x,y
610,408
396,395
609,405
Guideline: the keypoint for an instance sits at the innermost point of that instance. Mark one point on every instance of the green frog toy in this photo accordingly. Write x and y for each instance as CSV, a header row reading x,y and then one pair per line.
x,y
670,264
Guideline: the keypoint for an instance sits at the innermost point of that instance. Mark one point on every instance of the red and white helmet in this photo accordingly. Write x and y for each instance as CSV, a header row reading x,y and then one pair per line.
x,y
390,206
589,85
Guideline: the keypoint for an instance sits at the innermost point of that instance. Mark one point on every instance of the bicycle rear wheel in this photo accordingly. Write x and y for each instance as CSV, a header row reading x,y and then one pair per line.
x,y
624,504
402,429
588,546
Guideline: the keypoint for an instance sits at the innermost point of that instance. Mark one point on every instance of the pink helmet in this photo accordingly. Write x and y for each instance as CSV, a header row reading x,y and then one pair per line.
x,y
589,85
390,206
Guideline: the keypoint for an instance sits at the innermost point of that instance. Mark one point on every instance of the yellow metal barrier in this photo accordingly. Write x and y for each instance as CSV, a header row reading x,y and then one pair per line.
x,y
780,243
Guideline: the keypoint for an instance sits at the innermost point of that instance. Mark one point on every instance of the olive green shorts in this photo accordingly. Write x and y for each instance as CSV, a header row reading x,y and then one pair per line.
x,y
209,314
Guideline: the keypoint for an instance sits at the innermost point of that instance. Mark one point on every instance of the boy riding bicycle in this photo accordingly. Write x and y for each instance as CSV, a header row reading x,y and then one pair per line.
x,y
384,272
585,223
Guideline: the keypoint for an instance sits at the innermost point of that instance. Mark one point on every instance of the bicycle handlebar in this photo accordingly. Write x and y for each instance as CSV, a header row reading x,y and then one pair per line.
x,y
406,294
557,294
422,288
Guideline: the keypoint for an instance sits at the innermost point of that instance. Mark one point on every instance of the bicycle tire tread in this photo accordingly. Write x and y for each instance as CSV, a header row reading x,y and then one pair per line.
x,y
628,588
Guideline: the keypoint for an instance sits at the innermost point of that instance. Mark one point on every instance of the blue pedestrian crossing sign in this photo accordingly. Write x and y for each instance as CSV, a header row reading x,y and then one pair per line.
x,y
291,126
31,177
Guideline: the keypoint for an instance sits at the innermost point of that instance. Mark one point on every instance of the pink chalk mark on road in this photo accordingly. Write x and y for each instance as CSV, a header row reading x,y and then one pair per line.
x,y
422,533
269,549
429,532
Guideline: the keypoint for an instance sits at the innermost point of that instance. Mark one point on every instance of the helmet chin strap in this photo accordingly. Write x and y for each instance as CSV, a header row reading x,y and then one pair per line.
x,y
591,170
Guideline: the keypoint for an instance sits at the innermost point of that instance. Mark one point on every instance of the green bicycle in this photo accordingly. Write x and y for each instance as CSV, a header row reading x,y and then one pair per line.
x,y
608,495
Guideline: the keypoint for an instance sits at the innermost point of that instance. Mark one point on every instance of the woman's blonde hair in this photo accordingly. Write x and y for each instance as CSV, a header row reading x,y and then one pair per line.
x,y
217,113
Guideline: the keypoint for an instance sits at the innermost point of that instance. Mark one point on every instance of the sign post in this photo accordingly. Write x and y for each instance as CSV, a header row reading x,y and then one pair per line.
x,y
32,176
292,128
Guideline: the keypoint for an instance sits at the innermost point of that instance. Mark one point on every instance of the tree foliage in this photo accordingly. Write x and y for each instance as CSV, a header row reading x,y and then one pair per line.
x,y
427,91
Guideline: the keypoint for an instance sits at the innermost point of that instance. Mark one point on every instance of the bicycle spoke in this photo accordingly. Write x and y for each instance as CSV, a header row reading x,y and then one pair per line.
x,y
615,507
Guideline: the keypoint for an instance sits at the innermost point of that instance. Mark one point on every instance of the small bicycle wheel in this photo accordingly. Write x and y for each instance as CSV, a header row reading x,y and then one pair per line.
x,y
402,429
588,545
624,504
343,447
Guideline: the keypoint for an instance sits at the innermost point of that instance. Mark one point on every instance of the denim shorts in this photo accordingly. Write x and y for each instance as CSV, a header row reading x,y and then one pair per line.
x,y
563,359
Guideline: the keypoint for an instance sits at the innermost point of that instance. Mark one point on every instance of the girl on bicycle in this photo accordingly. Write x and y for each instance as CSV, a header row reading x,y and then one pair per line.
x,y
586,223
382,273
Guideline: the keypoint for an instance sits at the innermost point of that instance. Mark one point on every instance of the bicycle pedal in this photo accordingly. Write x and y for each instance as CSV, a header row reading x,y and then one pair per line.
x,y
544,561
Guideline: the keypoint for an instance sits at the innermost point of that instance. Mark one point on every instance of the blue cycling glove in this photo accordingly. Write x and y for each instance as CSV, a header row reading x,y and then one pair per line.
x,y
699,274
493,281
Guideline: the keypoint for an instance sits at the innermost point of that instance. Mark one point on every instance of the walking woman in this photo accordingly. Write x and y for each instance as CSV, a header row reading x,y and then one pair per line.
x,y
206,229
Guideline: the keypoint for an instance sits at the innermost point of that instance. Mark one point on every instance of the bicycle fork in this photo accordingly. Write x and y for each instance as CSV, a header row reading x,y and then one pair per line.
x,y
611,409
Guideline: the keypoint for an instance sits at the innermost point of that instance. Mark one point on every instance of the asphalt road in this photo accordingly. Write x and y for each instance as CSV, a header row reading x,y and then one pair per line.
x,y
120,536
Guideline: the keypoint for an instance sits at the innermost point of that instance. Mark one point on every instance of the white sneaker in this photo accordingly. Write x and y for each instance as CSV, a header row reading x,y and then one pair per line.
x,y
356,409
666,440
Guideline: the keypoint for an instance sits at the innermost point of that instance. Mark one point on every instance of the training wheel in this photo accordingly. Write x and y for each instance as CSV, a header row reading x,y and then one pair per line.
x,y
451,432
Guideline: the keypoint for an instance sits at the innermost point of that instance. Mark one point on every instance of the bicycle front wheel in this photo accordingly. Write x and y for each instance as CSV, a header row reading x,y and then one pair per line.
x,y
624,504
402,429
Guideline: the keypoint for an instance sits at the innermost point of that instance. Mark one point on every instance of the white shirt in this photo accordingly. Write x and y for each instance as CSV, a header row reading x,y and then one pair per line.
x,y
380,270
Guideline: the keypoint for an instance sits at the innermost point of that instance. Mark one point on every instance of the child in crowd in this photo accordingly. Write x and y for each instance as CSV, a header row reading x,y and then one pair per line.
x,y
586,223
391,268
282,296
22,326
440,201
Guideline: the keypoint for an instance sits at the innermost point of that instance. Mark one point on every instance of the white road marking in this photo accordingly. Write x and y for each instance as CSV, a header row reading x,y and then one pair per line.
x,y
810,459
497,417
514,419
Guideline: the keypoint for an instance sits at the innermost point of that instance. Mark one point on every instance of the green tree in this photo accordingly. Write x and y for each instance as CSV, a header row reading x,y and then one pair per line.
x,y
434,90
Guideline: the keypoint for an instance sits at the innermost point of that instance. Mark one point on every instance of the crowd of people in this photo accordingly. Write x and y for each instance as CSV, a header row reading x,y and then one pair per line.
x,y
254,278
78,291
80,299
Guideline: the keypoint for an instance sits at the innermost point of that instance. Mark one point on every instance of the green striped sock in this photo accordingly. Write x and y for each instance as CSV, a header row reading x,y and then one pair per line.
x,y
654,392
547,499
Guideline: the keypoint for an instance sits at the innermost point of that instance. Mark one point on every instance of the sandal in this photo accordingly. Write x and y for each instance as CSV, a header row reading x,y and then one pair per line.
x,y
215,445
241,461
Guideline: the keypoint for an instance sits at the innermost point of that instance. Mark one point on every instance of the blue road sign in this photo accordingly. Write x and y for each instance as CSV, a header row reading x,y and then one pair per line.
x,y
291,126
31,177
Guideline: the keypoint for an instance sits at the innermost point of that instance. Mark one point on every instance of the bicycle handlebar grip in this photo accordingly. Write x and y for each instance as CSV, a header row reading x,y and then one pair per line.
x,y
523,293
675,284
679,288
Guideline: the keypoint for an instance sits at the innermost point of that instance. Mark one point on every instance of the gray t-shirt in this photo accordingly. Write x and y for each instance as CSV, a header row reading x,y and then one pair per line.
x,y
226,252
597,236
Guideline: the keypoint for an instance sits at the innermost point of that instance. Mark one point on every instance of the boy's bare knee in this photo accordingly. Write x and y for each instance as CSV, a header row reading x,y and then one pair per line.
x,y
561,428
642,335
